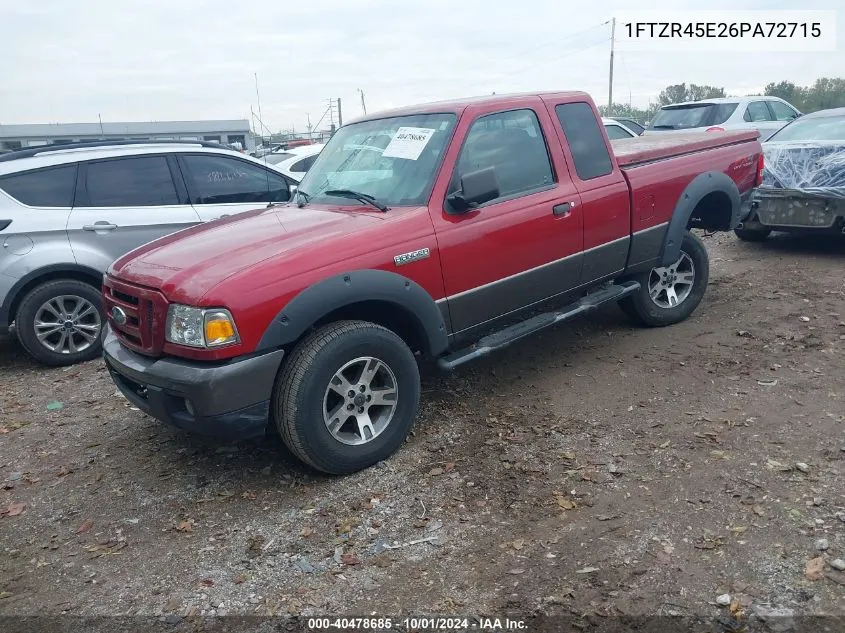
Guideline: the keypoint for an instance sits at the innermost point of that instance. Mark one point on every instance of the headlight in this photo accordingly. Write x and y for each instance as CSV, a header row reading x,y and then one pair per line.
x,y
200,327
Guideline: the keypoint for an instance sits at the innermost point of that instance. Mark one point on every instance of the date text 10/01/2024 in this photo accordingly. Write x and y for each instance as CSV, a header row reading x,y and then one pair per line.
x,y
418,624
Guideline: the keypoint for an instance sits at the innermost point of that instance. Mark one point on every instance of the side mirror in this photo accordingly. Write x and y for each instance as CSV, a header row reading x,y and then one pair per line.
x,y
293,189
477,187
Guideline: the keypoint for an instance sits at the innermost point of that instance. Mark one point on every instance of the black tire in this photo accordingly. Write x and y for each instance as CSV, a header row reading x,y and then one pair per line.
x,y
300,390
28,310
753,235
645,311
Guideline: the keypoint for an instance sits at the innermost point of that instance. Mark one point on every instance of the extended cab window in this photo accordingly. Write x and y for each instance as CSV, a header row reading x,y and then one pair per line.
x,y
130,182
52,187
581,129
220,179
513,143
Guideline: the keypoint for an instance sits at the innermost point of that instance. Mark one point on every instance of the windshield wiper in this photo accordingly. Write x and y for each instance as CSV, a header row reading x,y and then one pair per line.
x,y
305,198
357,195
662,127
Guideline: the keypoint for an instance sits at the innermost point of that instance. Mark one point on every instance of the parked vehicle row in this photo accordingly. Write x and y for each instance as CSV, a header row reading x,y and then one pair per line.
x,y
440,232
67,212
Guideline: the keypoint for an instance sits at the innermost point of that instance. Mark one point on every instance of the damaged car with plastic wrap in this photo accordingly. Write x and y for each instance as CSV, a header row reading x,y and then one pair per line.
x,y
803,180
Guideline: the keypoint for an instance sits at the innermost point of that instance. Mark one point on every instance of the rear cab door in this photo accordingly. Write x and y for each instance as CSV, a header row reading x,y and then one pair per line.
x,y
603,190
124,202
523,246
220,185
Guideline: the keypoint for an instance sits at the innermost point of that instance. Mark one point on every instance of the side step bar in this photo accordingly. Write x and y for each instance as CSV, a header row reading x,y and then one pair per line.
x,y
505,337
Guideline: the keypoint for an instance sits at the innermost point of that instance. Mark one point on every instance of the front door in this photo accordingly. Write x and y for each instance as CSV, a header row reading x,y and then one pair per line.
x,y
525,245
221,185
122,203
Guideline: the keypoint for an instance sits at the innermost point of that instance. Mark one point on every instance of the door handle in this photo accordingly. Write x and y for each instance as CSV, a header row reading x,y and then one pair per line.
x,y
563,209
99,226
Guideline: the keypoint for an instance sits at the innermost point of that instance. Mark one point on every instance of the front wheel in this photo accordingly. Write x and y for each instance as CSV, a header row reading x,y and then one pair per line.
x,y
669,294
347,396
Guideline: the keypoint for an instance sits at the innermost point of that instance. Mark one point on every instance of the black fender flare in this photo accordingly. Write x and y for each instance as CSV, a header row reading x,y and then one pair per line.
x,y
328,295
6,315
701,185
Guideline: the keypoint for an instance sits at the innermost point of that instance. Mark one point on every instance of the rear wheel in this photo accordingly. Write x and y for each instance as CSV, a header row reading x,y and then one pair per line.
x,y
60,322
753,235
347,396
669,294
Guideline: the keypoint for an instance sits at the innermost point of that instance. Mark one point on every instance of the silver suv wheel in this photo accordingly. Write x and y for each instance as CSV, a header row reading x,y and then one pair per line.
x,y
67,324
360,400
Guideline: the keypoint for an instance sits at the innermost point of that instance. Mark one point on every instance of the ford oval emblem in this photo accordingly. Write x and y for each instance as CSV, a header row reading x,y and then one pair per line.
x,y
118,315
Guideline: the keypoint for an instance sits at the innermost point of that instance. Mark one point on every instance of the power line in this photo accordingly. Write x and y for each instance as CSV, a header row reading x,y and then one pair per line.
x,y
546,61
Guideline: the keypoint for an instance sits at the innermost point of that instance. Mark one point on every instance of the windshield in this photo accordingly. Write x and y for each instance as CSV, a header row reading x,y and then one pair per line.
x,y
828,128
690,116
394,160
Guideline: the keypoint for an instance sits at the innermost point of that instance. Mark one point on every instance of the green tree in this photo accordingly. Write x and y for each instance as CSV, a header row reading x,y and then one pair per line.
x,y
826,92
677,93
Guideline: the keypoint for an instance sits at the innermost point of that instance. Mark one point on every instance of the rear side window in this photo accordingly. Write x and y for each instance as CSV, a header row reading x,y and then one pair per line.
x,y
130,182
303,165
220,179
513,143
757,111
581,129
51,187
616,131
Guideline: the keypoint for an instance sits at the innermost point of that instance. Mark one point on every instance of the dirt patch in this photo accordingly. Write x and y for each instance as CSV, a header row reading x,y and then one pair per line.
x,y
597,471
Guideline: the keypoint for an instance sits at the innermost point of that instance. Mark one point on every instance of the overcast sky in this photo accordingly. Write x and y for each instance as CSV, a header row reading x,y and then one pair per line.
x,y
64,61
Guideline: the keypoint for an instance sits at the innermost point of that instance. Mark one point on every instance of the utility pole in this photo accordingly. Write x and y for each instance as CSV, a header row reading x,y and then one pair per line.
x,y
363,104
610,79
260,117
339,114
308,116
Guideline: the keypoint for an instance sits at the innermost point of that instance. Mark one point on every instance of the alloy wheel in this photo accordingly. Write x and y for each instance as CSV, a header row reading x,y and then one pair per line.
x,y
360,400
67,324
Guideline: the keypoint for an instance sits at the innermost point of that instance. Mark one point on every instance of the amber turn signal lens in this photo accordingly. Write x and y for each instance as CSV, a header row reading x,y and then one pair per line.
x,y
218,330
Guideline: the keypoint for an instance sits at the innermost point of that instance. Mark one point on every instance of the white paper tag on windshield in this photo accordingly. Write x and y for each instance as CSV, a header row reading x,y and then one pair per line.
x,y
408,143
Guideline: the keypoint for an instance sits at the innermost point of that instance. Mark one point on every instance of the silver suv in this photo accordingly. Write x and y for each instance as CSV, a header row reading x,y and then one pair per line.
x,y
68,211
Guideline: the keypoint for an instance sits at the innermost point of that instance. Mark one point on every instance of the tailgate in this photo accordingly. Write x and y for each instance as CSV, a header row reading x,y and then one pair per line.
x,y
631,152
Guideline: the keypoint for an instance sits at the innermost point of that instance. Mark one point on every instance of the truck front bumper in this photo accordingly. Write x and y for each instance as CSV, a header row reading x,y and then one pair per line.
x,y
230,400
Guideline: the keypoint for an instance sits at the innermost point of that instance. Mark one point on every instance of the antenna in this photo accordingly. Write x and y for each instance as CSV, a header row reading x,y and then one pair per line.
x,y
363,103
101,123
258,97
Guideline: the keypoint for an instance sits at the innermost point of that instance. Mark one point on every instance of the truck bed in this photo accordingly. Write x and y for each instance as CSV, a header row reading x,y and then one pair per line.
x,y
648,148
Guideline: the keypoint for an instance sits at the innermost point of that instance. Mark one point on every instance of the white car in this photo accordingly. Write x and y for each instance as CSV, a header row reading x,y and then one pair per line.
x,y
766,114
615,130
294,162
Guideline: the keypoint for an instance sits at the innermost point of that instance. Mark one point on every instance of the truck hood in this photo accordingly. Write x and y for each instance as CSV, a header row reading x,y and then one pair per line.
x,y
187,264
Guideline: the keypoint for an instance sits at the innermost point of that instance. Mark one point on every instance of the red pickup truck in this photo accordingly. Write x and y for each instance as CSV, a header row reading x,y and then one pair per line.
x,y
443,231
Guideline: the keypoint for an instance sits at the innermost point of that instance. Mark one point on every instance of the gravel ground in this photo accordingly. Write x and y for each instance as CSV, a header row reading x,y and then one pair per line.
x,y
597,471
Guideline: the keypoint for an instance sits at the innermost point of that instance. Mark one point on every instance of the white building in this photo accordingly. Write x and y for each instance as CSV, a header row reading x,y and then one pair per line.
x,y
227,132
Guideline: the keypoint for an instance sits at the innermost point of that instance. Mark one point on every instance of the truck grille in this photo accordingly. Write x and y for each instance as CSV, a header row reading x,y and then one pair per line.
x,y
145,310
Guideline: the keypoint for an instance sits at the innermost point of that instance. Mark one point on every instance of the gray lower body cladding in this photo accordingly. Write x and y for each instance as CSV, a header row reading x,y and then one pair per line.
x,y
230,400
